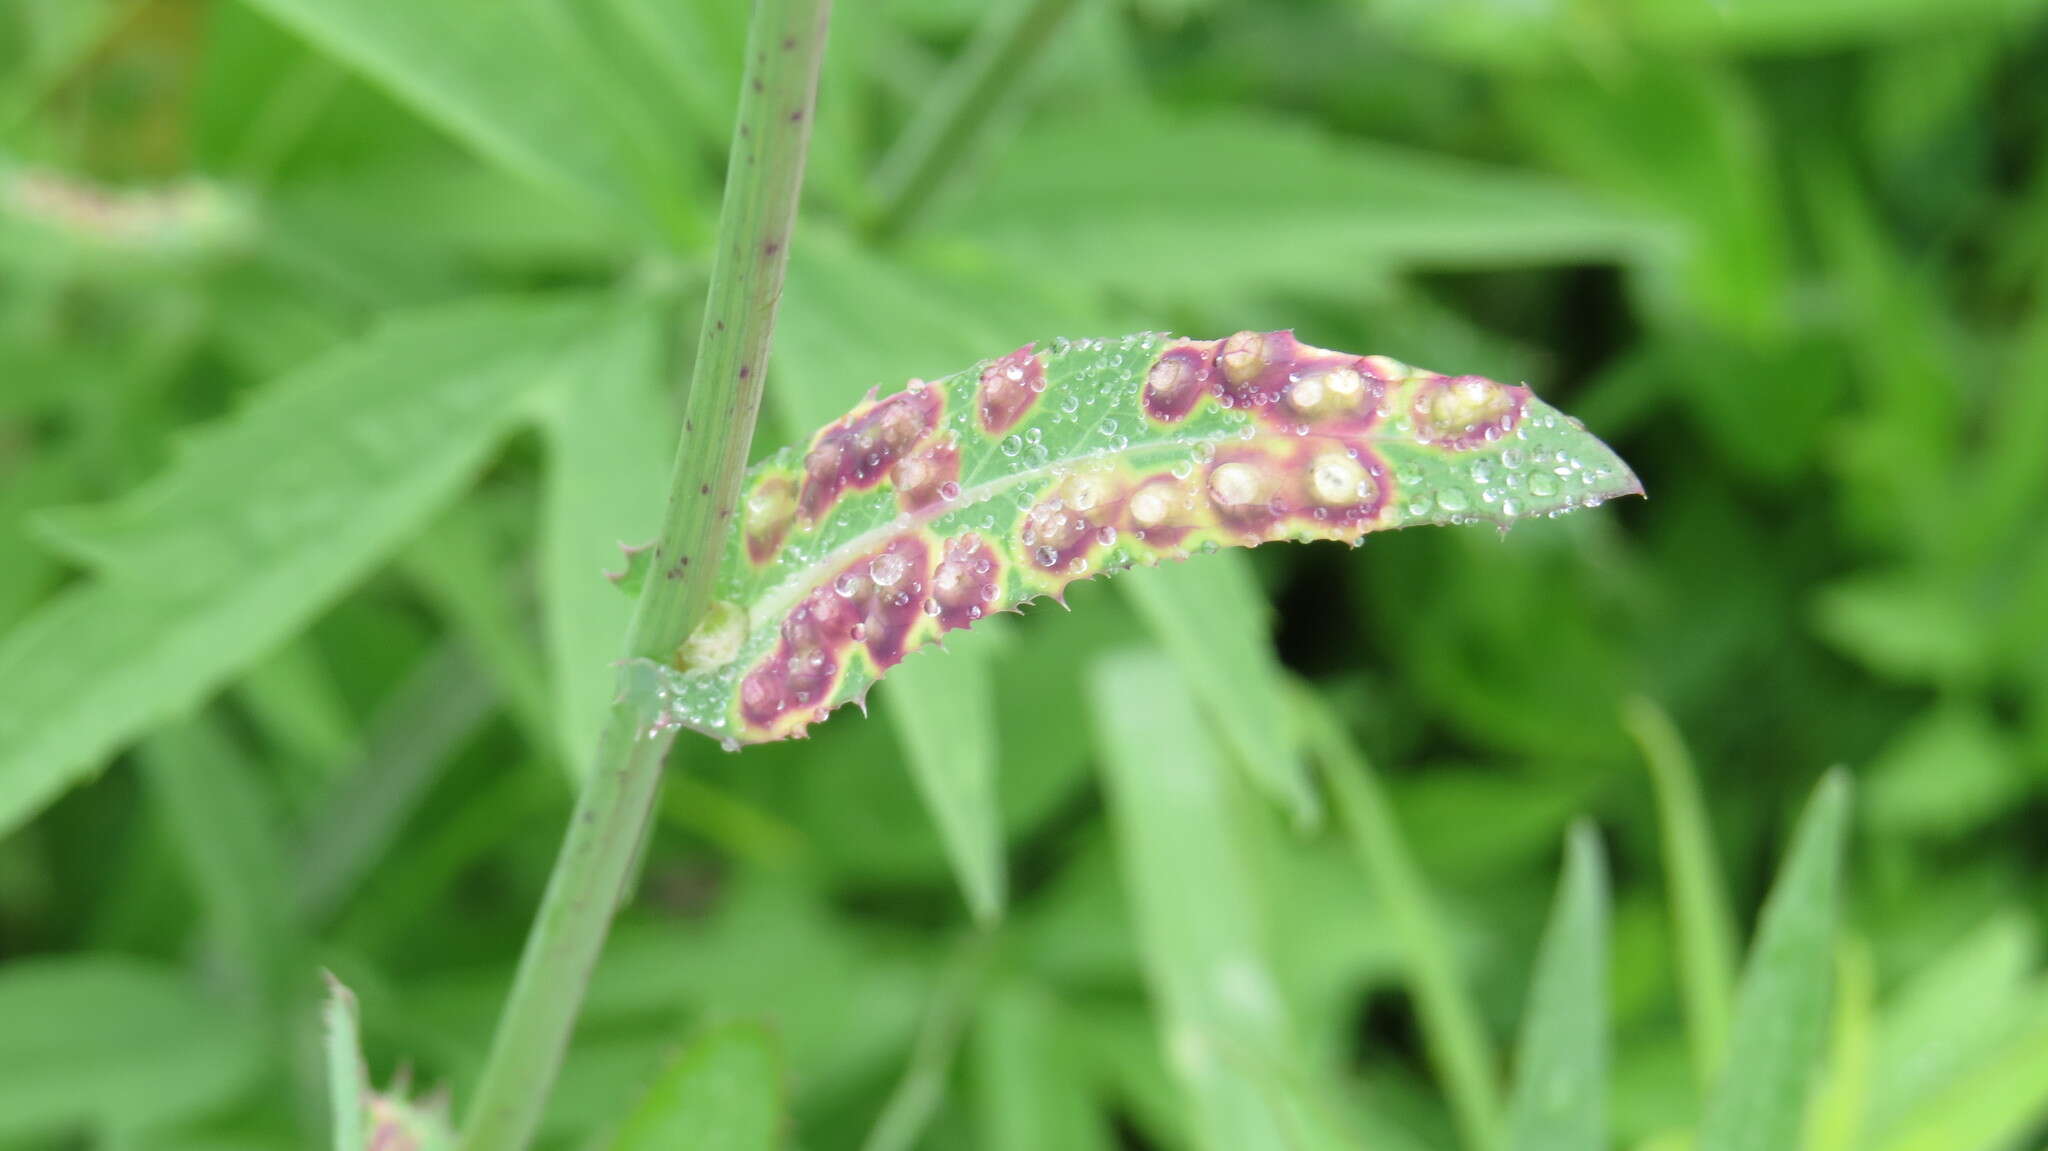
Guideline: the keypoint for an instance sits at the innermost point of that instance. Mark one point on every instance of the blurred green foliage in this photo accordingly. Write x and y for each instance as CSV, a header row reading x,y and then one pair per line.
x,y
420,272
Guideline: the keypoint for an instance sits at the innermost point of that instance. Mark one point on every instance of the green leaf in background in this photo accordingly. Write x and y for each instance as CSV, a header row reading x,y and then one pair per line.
x,y
1959,1060
472,67
1560,1097
114,1045
1949,1016
218,809
1222,1024
924,511
263,520
1459,1049
945,716
1779,1032
1031,1093
1273,204
1704,928
723,1092
348,1081
1213,618
608,459
1834,1118
1998,1104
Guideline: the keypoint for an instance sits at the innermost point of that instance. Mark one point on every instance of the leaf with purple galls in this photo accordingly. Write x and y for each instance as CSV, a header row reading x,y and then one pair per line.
x,y
923,511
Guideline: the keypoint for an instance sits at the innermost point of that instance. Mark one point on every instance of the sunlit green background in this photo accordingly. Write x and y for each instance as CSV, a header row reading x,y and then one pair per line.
x,y
1787,256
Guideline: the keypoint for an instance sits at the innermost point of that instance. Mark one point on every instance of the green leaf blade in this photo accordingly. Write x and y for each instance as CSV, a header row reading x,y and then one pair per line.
x,y
1213,618
1560,1098
723,1093
923,511
114,1043
1779,1031
1224,1028
347,1081
470,67
264,520
945,716
1703,925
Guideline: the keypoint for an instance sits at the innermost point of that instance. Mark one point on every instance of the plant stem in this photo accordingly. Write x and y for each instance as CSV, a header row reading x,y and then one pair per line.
x,y
764,178
930,148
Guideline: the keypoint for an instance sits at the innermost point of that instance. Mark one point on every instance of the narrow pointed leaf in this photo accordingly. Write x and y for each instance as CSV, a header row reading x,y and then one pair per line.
x,y
723,1093
262,520
607,435
1216,621
1834,1121
346,1079
1459,1050
1780,1027
470,66
1224,1027
923,511
1560,1100
100,1042
1704,929
1031,1090
945,715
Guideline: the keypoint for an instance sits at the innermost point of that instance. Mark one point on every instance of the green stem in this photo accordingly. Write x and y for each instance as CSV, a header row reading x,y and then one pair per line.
x,y
764,177
931,145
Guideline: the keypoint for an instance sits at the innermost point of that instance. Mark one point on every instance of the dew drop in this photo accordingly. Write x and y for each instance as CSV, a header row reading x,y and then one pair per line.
x,y
1011,445
1542,486
887,568
1452,500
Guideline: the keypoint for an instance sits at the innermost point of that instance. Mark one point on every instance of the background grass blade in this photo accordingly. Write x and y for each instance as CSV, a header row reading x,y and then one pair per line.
x,y
2000,1104
944,710
1834,1121
1459,1049
346,1077
106,1043
723,1093
606,463
1222,1024
262,522
1560,1096
1779,1031
469,67
1212,616
1031,1091
1703,928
